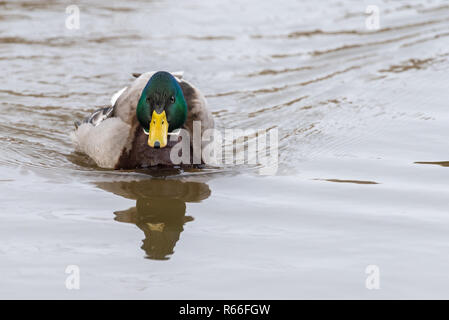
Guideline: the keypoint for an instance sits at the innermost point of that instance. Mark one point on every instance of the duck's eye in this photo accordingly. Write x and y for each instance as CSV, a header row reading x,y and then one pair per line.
x,y
162,121
172,99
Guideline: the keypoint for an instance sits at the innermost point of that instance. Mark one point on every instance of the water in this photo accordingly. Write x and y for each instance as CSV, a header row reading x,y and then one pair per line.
x,y
363,154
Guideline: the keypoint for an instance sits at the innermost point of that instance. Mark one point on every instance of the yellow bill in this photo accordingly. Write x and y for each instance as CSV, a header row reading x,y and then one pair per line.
x,y
157,137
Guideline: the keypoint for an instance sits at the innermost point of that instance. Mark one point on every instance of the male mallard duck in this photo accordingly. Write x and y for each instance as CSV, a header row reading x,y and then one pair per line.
x,y
132,132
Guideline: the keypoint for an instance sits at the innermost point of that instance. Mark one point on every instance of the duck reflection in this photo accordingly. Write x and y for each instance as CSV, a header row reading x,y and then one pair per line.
x,y
160,210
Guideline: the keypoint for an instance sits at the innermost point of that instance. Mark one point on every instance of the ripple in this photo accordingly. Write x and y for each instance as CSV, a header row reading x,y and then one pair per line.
x,y
276,107
332,33
348,181
266,72
435,163
410,64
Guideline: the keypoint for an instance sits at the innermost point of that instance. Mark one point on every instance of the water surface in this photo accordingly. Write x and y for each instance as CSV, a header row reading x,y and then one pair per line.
x,y
363,151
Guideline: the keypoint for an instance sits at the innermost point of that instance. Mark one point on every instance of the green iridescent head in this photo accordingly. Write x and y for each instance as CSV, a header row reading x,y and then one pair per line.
x,y
161,108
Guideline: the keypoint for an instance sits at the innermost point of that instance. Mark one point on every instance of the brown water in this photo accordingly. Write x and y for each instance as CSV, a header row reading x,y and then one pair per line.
x,y
363,151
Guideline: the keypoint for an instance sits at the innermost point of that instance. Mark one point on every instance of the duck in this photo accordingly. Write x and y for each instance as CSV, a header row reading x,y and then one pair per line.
x,y
132,132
